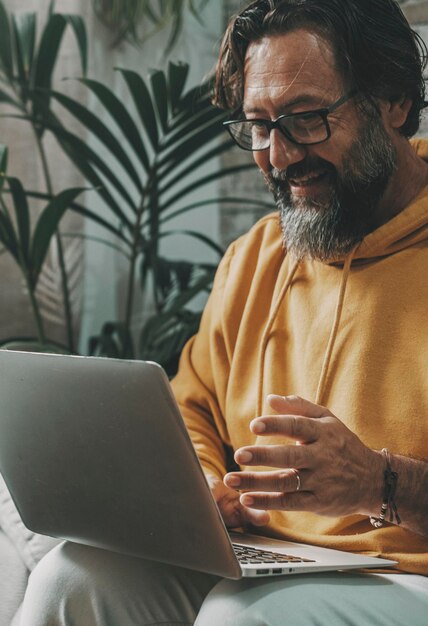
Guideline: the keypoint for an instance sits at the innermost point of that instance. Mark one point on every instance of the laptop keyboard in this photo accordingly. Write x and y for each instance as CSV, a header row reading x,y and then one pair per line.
x,y
247,555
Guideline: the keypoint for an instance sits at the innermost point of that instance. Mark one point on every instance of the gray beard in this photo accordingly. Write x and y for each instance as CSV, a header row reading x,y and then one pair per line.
x,y
330,227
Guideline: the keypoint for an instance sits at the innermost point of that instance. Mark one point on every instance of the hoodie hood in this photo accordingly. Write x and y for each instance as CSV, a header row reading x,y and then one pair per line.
x,y
406,229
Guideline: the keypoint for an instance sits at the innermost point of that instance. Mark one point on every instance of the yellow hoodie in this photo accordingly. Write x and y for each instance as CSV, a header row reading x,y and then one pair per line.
x,y
351,336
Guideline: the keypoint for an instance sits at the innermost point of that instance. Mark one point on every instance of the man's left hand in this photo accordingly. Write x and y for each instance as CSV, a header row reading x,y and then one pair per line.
x,y
335,472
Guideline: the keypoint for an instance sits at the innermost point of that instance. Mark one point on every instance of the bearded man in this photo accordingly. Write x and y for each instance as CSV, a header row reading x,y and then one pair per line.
x,y
313,333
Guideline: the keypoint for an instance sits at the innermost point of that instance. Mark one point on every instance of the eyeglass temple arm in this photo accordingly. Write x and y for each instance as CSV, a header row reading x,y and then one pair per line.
x,y
342,100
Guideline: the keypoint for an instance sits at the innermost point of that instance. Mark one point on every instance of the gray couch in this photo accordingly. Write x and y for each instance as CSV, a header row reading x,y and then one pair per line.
x,y
20,551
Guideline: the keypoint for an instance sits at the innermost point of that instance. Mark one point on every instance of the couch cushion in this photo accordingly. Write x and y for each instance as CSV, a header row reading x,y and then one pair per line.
x,y
30,546
13,580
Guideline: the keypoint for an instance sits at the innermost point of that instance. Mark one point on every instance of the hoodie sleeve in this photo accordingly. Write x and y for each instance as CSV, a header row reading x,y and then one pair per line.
x,y
201,383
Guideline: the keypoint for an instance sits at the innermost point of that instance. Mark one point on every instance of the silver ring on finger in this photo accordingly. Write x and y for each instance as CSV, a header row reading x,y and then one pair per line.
x,y
297,475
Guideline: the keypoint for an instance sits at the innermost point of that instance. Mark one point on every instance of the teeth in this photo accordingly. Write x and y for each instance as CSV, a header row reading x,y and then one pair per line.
x,y
306,179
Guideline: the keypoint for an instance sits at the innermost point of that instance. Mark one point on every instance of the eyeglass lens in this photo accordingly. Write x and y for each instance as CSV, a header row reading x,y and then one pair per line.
x,y
305,128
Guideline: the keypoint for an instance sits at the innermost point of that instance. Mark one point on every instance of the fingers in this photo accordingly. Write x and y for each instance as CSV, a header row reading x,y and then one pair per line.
x,y
301,501
286,481
295,405
233,512
293,420
254,516
296,427
285,488
275,456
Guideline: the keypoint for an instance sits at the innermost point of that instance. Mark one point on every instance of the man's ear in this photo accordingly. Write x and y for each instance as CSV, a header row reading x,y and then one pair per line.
x,y
395,113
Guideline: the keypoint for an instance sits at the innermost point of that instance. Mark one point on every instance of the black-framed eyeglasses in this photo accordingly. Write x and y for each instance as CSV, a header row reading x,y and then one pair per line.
x,y
304,128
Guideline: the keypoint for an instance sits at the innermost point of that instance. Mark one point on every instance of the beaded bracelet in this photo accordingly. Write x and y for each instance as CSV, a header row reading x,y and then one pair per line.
x,y
388,502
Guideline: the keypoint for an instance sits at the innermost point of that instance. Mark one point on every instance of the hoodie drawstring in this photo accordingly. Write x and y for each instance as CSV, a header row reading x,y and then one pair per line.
x,y
266,333
335,327
332,338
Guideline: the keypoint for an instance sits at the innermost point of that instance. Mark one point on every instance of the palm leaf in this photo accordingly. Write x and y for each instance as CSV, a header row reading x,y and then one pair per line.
x,y
24,31
96,239
22,214
160,96
8,236
78,26
51,8
179,174
187,148
6,59
177,76
114,341
94,125
196,10
122,118
155,18
5,97
164,336
48,51
176,28
201,182
46,227
259,204
4,154
143,103
47,56
44,64
210,243
196,94
49,284
199,119
125,18
203,283
85,158
85,212
187,113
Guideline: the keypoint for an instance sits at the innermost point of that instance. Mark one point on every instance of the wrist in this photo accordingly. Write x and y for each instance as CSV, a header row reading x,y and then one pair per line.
x,y
388,506
375,483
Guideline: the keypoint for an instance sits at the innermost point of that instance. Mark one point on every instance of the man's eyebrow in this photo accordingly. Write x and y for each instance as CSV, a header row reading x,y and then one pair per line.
x,y
316,101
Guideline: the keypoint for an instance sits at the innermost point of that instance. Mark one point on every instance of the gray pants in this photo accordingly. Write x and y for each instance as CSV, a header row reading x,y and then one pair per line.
x,y
79,586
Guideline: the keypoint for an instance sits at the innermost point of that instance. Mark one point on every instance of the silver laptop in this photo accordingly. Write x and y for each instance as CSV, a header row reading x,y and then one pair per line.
x,y
95,451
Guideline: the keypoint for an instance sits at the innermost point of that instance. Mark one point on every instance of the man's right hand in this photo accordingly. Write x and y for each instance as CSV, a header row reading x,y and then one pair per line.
x,y
234,513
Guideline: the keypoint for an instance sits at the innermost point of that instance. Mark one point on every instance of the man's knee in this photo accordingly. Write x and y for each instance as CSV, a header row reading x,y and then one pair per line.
x,y
77,584
64,580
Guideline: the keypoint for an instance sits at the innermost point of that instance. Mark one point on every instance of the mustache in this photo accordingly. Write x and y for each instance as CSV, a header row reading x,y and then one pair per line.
x,y
302,168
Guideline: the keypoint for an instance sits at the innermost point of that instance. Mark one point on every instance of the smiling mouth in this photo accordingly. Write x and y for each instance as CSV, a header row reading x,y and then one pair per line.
x,y
309,179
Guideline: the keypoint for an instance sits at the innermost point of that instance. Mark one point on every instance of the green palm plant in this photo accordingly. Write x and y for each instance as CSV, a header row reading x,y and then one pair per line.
x,y
146,178
29,246
27,62
145,160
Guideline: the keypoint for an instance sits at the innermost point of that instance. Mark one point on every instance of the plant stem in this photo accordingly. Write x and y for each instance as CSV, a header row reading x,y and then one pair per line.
x,y
135,252
36,311
61,259
34,304
154,243
130,289
131,276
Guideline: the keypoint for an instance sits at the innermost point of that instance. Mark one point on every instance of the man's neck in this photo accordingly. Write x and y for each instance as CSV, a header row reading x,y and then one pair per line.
x,y
407,181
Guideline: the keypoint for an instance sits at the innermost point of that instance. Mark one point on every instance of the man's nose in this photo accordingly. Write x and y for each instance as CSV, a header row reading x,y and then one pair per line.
x,y
283,152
